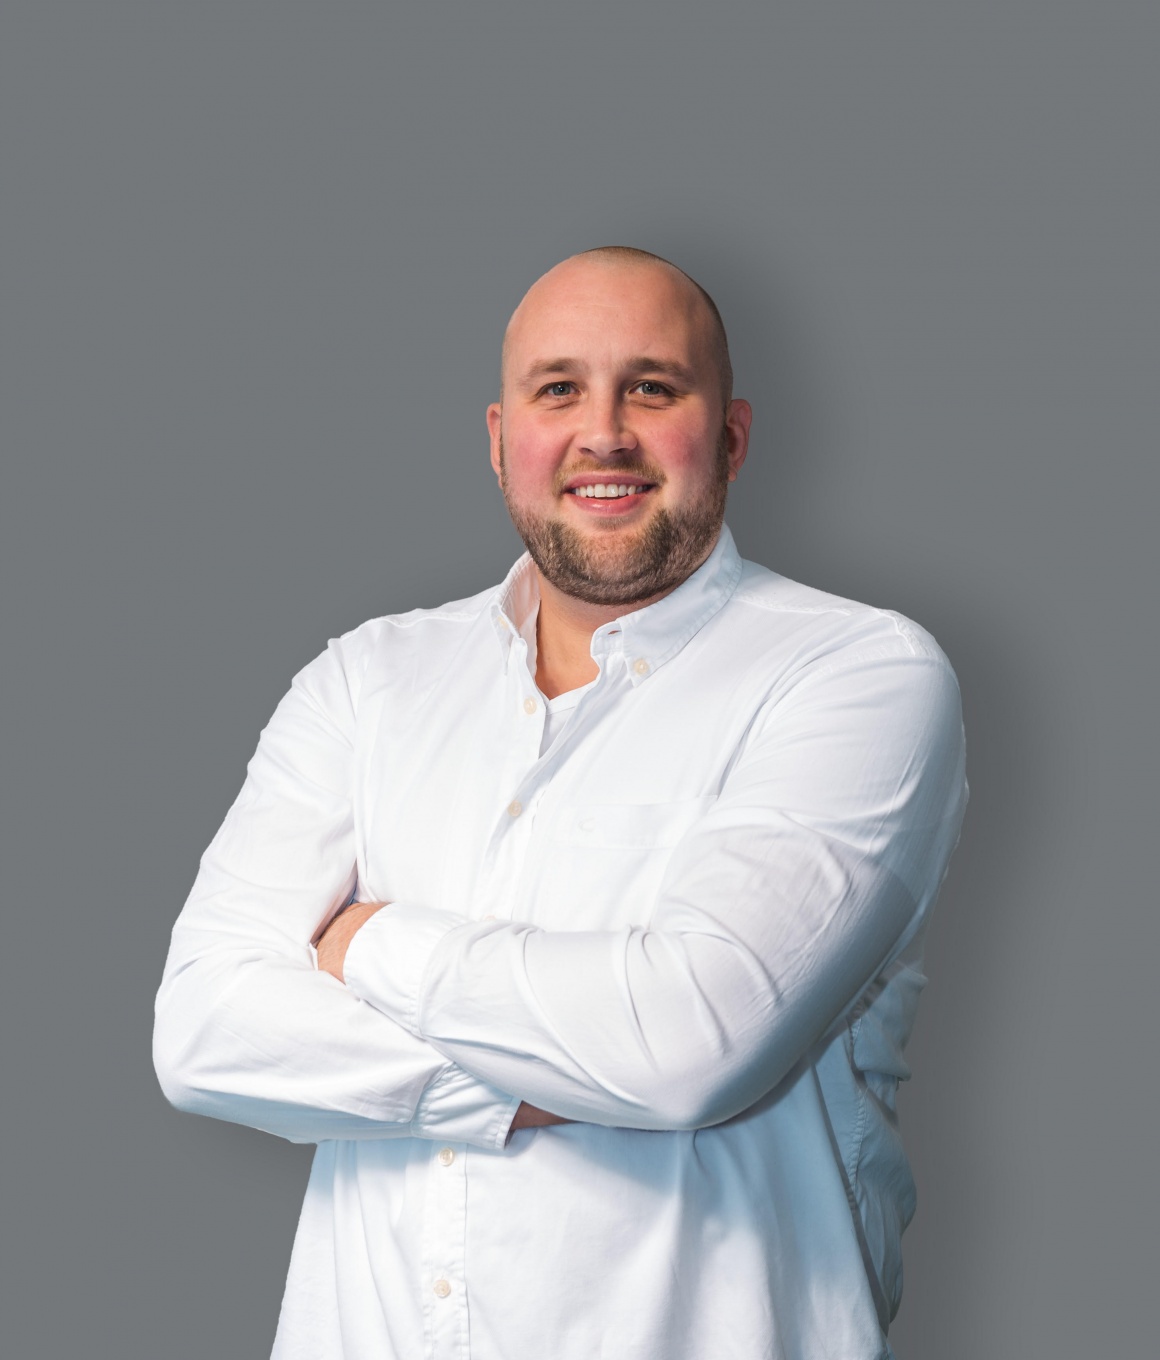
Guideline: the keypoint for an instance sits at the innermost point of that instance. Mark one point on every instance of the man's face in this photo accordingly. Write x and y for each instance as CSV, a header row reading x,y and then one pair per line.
x,y
610,387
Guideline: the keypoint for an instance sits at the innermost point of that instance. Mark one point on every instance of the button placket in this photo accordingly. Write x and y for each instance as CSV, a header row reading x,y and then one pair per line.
x,y
508,846
445,1222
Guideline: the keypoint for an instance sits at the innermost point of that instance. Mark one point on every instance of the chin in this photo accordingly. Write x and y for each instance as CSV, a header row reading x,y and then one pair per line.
x,y
642,564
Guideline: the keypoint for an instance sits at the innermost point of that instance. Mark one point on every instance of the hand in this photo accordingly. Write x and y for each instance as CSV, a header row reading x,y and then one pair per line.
x,y
529,1117
337,936
331,950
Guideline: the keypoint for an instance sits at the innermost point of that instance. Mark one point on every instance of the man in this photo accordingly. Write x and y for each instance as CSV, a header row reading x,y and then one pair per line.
x,y
617,876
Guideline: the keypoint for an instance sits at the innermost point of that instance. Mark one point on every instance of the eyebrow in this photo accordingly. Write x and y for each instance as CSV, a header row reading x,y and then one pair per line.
x,y
642,364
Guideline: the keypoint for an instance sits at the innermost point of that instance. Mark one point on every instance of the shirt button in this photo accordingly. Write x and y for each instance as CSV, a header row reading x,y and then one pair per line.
x,y
640,665
446,1156
515,807
530,706
442,1288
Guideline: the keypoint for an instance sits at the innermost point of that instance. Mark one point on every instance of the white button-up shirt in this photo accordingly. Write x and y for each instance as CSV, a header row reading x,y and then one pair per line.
x,y
687,917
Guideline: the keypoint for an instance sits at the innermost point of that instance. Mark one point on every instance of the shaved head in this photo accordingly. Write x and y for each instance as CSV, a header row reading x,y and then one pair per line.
x,y
614,256
617,434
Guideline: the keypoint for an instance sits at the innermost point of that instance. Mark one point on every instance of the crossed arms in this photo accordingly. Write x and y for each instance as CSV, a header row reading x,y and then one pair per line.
x,y
810,873
331,953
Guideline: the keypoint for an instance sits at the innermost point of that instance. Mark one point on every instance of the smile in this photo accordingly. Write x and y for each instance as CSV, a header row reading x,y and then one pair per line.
x,y
607,490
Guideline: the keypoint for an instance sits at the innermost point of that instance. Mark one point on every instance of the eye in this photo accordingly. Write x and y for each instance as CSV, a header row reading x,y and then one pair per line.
x,y
563,388
648,387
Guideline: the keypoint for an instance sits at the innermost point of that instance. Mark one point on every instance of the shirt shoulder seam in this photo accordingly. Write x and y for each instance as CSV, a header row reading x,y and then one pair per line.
x,y
845,610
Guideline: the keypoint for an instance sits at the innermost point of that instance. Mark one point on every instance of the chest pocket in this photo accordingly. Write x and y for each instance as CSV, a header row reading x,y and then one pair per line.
x,y
629,826
602,863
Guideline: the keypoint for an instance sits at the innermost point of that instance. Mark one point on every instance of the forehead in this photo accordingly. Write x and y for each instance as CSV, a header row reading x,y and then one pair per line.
x,y
594,311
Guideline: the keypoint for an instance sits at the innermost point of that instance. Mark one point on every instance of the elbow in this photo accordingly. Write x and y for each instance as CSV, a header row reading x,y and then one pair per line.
x,y
710,1087
199,1049
174,1068
697,1098
679,1111
682,1109
181,1060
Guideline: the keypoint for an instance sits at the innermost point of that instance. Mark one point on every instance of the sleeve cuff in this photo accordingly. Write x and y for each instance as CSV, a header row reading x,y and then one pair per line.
x,y
388,956
457,1108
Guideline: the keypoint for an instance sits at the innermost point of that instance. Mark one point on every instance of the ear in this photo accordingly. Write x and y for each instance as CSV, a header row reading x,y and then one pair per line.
x,y
494,428
738,419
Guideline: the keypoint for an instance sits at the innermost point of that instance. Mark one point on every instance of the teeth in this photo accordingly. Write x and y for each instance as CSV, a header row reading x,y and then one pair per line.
x,y
606,492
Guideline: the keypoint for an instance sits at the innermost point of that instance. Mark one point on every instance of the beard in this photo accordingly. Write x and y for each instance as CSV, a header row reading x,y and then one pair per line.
x,y
626,567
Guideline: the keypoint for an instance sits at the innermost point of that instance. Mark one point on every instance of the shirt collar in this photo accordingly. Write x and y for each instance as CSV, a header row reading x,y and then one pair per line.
x,y
648,637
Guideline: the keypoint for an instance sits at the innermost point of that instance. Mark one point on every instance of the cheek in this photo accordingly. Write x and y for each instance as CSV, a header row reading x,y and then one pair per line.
x,y
689,458
531,463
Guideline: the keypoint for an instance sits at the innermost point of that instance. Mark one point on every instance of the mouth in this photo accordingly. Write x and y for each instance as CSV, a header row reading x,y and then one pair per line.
x,y
590,488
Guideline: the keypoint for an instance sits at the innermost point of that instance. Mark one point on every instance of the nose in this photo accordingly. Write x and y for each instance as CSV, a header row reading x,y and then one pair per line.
x,y
605,433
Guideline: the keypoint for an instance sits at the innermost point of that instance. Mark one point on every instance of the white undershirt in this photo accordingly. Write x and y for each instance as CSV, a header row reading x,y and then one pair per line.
x,y
558,711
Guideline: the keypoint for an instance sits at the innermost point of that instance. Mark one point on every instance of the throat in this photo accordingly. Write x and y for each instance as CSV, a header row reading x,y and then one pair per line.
x,y
556,675
564,629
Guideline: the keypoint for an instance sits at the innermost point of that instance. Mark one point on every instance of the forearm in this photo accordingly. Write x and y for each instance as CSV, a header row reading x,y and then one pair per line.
x,y
678,1026
264,1040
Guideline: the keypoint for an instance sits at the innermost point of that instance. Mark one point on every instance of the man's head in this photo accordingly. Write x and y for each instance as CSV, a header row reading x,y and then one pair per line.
x,y
616,378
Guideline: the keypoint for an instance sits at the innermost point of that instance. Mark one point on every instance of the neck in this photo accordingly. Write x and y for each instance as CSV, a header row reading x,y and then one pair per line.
x,y
564,631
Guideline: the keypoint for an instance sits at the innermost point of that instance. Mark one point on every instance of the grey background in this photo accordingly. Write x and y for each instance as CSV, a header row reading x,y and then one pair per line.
x,y
256,261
